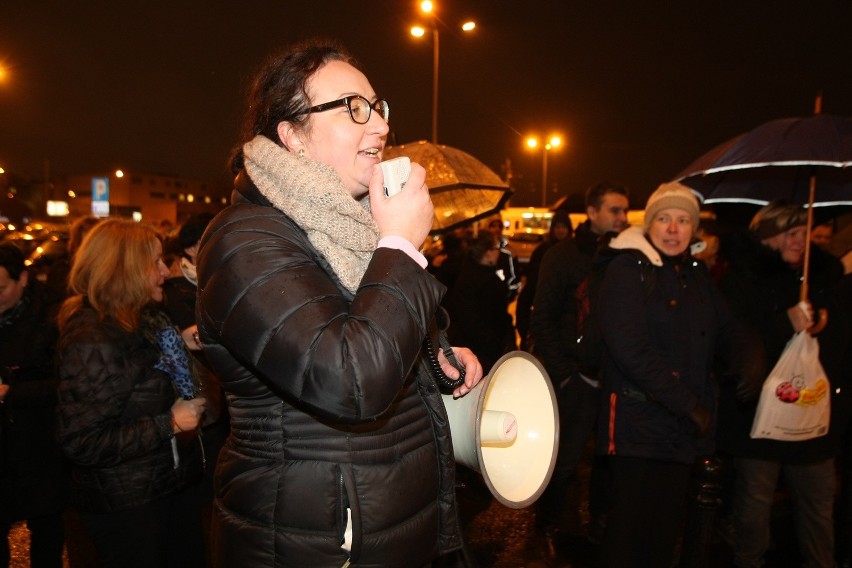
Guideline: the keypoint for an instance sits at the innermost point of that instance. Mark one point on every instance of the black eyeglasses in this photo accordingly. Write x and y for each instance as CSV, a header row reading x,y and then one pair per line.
x,y
359,108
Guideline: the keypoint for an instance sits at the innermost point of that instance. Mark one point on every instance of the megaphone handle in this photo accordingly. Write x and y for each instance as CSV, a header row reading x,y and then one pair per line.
x,y
445,383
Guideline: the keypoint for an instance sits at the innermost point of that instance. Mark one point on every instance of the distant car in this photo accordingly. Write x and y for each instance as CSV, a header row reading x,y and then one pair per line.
x,y
46,253
29,235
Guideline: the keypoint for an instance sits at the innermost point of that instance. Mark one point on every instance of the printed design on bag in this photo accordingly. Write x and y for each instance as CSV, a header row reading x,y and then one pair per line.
x,y
795,391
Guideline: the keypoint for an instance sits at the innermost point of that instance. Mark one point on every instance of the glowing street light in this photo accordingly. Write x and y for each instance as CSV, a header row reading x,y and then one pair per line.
x,y
547,145
428,9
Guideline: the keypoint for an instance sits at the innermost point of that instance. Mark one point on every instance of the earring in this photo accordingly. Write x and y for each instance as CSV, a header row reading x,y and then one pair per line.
x,y
301,152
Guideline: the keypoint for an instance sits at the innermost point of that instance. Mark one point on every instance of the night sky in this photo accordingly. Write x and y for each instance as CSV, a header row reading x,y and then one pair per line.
x,y
639,89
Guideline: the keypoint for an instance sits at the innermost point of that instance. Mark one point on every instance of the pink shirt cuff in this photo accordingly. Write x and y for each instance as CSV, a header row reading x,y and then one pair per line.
x,y
405,246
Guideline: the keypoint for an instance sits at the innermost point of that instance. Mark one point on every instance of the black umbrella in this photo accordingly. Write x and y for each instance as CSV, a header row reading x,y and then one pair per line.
x,y
802,160
463,189
777,161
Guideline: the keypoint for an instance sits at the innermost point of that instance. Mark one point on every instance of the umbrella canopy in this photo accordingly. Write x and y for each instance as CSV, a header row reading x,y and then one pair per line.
x,y
777,161
802,160
463,189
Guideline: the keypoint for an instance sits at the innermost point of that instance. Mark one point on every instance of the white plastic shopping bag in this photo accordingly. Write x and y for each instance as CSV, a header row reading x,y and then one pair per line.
x,y
795,402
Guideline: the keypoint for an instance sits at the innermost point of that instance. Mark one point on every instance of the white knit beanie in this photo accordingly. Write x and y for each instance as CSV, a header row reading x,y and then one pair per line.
x,y
672,195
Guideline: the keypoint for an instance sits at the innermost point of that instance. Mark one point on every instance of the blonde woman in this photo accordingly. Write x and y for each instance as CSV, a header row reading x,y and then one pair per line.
x,y
128,413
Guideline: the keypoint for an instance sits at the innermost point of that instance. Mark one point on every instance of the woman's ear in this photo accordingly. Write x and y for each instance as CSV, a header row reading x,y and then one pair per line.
x,y
288,136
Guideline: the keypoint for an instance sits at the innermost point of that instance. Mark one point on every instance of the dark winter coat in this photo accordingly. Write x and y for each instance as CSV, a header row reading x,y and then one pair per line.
x,y
115,417
332,406
479,317
33,474
760,287
554,317
660,350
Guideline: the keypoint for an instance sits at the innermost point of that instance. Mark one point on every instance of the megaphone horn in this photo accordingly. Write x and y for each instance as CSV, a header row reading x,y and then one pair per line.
x,y
507,429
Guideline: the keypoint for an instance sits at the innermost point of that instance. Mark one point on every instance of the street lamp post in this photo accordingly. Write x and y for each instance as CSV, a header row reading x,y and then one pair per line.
x,y
428,8
551,144
436,51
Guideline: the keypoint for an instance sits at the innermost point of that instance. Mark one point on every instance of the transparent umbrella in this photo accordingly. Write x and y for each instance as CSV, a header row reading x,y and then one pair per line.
x,y
463,189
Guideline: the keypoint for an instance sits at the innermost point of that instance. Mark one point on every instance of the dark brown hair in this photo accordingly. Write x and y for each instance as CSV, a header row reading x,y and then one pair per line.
x,y
279,90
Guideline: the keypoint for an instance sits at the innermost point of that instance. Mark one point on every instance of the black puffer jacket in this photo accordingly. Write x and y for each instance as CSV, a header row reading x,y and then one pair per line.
x,y
115,418
331,404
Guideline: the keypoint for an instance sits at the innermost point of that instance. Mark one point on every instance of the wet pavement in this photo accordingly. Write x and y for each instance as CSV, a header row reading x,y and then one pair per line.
x,y
501,537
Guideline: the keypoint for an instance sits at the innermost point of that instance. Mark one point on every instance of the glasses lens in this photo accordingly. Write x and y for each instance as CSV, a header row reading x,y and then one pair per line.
x,y
359,109
381,107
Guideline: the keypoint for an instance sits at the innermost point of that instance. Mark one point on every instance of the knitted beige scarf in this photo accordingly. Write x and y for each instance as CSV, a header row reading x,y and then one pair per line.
x,y
313,195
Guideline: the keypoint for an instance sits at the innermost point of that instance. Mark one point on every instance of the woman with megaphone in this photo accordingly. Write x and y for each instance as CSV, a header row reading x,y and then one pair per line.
x,y
314,306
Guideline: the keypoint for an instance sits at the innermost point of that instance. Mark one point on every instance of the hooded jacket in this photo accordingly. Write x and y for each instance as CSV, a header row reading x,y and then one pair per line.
x,y
335,419
661,345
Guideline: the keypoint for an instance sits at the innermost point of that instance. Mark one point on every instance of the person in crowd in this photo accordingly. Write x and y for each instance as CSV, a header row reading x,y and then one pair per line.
x,y
659,394
762,285
128,414
822,235
314,311
57,276
179,300
33,476
709,232
553,329
447,264
507,263
560,228
478,306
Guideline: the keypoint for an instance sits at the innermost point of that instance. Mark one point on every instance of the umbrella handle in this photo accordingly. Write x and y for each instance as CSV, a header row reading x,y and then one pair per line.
x,y
820,323
803,290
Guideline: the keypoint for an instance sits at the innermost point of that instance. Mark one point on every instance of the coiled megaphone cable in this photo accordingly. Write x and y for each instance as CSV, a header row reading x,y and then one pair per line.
x,y
445,383
441,322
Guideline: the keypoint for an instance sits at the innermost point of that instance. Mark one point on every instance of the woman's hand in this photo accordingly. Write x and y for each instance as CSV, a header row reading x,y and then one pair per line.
x,y
191,339
409,213
186,414
472,369
801,315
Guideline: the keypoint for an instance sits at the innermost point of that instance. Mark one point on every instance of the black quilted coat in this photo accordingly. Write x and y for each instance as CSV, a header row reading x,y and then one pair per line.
x,y
114,418
332,407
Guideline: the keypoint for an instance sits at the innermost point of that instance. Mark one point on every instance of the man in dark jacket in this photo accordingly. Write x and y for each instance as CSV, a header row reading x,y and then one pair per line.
x,y
33,478
554,332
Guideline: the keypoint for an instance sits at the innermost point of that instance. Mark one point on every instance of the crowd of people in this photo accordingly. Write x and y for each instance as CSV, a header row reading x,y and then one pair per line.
x,y
263,387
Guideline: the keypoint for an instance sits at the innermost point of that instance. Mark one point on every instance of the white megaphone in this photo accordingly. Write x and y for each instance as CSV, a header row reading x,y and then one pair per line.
x,y
507,429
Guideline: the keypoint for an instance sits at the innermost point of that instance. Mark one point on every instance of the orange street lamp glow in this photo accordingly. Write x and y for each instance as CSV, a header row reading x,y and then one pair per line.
x,y
551,144
119,174
428,8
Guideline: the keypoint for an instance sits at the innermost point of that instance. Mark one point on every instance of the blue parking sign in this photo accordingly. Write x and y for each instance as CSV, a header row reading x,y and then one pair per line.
x,y
100,189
